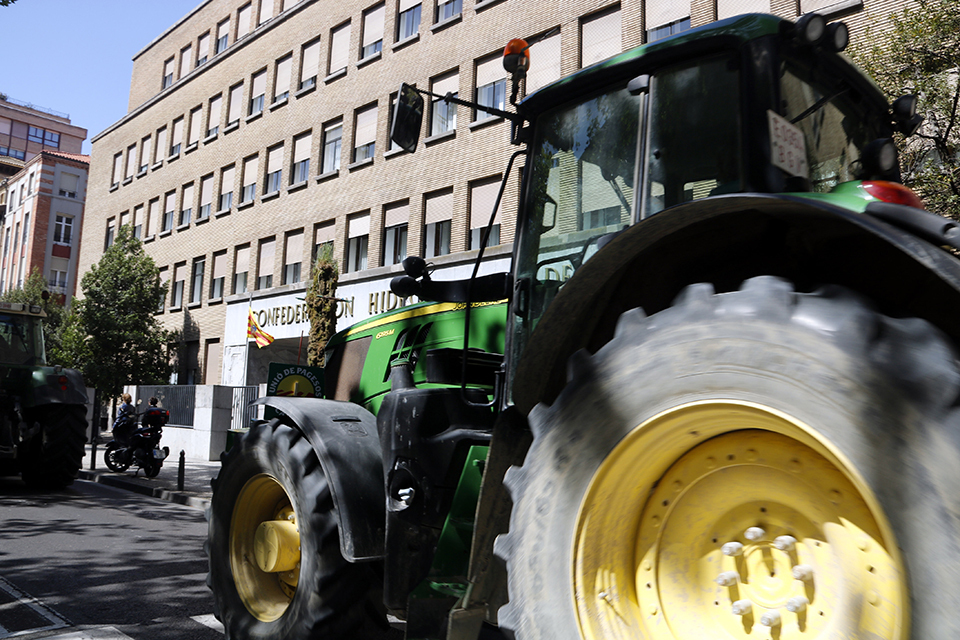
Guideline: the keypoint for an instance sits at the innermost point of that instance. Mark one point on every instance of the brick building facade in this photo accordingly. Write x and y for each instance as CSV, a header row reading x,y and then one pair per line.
x,y
258,131
26,130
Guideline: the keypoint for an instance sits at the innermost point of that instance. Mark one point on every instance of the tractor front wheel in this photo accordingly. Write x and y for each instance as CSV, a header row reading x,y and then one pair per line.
x,y
757,464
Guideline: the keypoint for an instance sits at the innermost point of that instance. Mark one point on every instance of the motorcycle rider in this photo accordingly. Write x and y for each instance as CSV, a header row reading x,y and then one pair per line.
x,y
126,422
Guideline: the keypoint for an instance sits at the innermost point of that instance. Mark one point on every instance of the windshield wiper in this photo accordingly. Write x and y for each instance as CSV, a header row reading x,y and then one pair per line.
x,y
818,105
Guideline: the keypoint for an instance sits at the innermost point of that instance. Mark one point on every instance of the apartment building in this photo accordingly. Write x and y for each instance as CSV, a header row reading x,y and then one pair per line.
x,y
40,227
257,132
26,130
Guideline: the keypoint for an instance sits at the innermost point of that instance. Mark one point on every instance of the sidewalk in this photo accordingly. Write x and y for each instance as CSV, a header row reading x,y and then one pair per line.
x,y
196,478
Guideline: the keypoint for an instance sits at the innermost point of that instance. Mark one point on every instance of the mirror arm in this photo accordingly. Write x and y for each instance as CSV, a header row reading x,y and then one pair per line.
x,y
512,117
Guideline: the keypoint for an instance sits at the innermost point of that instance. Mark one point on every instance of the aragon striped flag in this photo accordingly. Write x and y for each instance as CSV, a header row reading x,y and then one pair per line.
x,y
254,331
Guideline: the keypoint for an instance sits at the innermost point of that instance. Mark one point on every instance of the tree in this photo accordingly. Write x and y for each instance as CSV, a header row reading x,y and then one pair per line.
x,y
113,335
921,55
32,294
322,304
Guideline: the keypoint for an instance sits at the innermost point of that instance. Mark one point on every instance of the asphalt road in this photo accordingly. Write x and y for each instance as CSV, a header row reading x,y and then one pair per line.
x,y
95,562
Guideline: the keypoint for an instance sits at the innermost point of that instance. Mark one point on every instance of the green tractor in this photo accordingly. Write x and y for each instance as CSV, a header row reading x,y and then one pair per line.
x,y
716,397
43,418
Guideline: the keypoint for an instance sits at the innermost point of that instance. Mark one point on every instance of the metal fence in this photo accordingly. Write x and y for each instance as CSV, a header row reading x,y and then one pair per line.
x,y
242,412
179,400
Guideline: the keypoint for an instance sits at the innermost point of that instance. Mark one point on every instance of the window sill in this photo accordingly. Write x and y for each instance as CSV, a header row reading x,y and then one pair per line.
x,y
372,57
164,234
359,164
253,116
182,227
302,92
393,152
142,173
191,147
220,214
210,138
336,74
213,301
233,126
148,239
279,103
440,137
443,24
172,158
175,309
328,175
124,183
113,187
202,220
245,205
480,124
156,165
194,305
485,4
270,196
297,186
408,40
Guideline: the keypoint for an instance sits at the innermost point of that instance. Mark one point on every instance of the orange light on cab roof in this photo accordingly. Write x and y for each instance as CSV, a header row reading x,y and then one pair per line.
x,y
516,56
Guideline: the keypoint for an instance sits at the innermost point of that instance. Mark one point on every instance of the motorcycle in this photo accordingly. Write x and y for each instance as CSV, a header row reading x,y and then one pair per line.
x,y
138,445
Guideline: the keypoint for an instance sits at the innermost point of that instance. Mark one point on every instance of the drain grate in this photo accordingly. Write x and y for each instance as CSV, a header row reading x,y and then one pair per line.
x,y
21,614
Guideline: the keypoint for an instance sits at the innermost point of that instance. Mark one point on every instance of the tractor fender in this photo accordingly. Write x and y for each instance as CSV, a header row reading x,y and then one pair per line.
x,y
50,386
724,241
344,436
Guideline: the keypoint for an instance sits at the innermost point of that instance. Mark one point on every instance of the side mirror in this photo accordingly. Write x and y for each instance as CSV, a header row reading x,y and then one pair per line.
x,y
407,118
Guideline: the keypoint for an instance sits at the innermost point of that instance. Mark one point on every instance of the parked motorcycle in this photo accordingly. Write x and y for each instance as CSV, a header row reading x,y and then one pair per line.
x,y
138,445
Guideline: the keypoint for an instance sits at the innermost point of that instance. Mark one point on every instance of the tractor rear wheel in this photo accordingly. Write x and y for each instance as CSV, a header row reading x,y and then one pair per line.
x,y
276,570
757,464
52,460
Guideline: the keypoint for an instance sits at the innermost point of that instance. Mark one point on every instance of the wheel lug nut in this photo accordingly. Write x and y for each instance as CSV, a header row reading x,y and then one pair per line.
x,y
770,618
797,604
754,533
785,543
727,578
742,607
803,572
732,548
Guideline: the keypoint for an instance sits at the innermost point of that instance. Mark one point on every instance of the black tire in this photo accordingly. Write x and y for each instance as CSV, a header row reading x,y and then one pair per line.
x,y
333,598
879,396
113,457
53,459
152,470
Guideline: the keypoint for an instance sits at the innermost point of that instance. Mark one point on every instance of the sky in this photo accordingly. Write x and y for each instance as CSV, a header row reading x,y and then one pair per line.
x,y
76,56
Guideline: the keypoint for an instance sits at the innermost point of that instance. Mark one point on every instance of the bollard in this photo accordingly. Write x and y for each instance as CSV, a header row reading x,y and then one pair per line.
x,y
180,470
94,435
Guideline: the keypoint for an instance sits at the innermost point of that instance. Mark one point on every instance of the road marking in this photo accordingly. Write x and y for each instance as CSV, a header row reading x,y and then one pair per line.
x,y
104,633
21,599
209,621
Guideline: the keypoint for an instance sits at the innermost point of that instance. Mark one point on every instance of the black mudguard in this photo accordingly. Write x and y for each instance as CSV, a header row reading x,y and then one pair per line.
x,y
344,436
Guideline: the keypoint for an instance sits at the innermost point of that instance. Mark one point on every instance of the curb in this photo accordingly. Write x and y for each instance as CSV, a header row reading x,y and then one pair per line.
x,y
112,480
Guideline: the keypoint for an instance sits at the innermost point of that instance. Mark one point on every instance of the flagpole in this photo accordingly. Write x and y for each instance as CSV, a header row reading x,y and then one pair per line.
x,y
246,341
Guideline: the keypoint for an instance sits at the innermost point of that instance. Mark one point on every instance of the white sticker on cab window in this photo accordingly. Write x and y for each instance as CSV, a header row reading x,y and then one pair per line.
x,y
788,150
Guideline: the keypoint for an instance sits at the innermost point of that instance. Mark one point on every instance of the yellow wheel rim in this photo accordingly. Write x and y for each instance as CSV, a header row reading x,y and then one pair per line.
x,y
264,548
731,520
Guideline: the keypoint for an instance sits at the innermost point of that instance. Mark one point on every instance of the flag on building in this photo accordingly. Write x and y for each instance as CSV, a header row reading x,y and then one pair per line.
x,y
254,331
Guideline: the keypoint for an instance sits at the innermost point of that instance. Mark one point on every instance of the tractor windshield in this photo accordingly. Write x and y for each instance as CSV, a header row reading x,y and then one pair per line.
x,y
21,340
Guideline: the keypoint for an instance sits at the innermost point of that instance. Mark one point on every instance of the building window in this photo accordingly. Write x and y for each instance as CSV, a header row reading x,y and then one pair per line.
x,y
249,189
365,133
447,10
372,42
62,231
240,270
243,20
219,275
491,86
51,139
107,240
138,221
548,51
117,171
69,183
600,37
236,99
358,235
179,280
144,154
310,64
161,145
213,118
339,48
153,217
186,55
58,281
265,264
176,139
483,195
395,233
223,35
226,189
258,92
196,284
131,167
444,114
274,169
167,74
169,205
186,204
206,197
332,135
323,239
438,212
35,134
203,48
408,22
164,279
281,85
669,29
266,11
193,136
301,158
291,258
